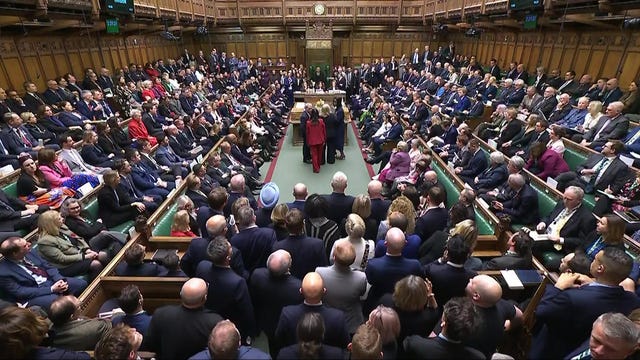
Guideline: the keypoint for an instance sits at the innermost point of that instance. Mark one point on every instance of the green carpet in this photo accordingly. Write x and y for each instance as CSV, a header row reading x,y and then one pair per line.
x,y
290,170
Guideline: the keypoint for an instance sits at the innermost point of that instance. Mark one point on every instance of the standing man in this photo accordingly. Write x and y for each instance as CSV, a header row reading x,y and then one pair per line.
x,y
306,115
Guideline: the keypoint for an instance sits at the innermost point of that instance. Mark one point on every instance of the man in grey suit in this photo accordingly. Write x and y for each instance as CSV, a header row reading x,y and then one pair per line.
x,y
344,286
613,126
75,161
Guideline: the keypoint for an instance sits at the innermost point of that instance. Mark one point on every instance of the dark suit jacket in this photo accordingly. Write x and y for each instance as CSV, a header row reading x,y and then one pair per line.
x,y
270,294
568,316
417,347
69,119
615,175
197,252
296,204
255,245
327,352
576,229
144,269
545,106
476,165
340,205
17,285
8,216
492,177
228,296
523,207
334,324
14,143
83,108
379,208
384,272
197,198
95,156
32,103
448,281
307,253
508,261
114,211
512,129
432,221
176,332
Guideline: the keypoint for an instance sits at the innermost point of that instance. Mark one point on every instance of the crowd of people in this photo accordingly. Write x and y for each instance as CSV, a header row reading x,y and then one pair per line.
x,y
388,273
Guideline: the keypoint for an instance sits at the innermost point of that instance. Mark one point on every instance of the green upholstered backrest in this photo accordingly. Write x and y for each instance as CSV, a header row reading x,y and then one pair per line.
x,y
11,189
546,200
163,226
574,158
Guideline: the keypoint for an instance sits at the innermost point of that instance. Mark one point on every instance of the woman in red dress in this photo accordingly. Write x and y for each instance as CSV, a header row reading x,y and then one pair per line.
x,y
316,138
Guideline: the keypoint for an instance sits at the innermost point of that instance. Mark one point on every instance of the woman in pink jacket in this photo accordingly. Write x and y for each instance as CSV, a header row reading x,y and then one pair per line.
x,y
545,162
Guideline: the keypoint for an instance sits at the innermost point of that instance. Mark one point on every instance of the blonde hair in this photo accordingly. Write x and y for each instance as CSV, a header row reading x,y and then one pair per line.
x,y
403,205
467,230
354,226
47,223
181,221
362,206
278,214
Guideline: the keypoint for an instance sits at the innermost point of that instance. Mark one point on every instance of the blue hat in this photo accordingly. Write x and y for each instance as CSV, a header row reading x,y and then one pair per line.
x,y
269,195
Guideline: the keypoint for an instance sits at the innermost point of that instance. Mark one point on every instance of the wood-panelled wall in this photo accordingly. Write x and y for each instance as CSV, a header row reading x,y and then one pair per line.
x,y
609,54
41,58
595,53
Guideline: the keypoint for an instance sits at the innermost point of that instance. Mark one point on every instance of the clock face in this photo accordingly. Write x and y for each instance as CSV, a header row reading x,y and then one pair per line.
x,y
318,9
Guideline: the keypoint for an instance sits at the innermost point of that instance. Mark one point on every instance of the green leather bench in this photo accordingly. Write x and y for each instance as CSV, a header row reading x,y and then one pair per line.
x,y
91,209
546,203
11,189
453,194
163,226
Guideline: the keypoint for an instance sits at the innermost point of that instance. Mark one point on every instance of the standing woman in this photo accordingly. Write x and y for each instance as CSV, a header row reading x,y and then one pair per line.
x,y
340,128
316,138
331,124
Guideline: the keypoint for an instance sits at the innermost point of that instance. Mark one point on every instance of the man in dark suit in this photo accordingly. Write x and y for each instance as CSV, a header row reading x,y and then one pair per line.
x,y
522,206
180,331
228,291
26,278
611,92
458,322
494,69
569,85
379,205
216,225
17,138
16,214
167,158
151,203
495,175
518,256
31,97
299,197
599,171
477,164
238,189
567,310
54,94
334,320
567,227
339,203
384,272
435,217
394,133
613,126
307,252
547,104
135,265
154,122
304,117
254,243
273,288
145,179
448,275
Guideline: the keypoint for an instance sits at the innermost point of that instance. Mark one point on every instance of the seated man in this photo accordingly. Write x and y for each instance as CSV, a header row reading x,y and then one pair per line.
x,y
476,165
612,126
522,207
599,171
16,214
392,134
26,278
72,332
135,265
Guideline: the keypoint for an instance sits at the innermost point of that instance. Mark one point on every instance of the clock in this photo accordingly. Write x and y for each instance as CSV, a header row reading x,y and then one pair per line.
x,y
319,9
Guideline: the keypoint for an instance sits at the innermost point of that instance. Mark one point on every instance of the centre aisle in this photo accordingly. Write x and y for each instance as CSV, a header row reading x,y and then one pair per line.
x,y
288,169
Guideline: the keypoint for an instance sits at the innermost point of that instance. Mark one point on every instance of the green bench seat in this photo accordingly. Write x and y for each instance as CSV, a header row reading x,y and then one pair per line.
x,y
546,203
163,226
11,189
453,194
574,158
91,210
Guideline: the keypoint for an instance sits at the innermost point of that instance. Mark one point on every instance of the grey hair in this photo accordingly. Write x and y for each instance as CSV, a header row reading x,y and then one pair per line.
x,y
402,145
517,162
282,266
339,180
577,190
517,179
497,157
618,326
183,200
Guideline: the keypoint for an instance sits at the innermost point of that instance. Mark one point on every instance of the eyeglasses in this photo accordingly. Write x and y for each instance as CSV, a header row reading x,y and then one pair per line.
x,y
74,208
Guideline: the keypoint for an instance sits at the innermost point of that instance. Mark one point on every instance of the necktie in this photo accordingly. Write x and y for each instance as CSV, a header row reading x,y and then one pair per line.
x,y
34,269
4,149
24,138
598,170
606,123
629,142
117,197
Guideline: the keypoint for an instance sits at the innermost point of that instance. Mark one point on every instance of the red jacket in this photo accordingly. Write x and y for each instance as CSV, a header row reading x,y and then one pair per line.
x,y
137,130
316,133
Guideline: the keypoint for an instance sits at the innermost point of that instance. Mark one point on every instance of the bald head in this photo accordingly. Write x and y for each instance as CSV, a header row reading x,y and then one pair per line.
x,y
374,189
484,290
300,191
395,241
216,225
194,293
431,176
312,288
237,183
279,262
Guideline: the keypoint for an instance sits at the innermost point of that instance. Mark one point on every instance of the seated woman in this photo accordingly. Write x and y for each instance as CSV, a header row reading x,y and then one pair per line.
x,y
39,131
65,250
57,172
609,232
52,123
92,153
72,118
106,142
184,203
180,226
194,191
117,133
624,199
95,233
545,162
114,205
33,187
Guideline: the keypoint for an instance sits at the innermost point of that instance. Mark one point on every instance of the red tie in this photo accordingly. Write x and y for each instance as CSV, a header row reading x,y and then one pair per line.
x,y
24,138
